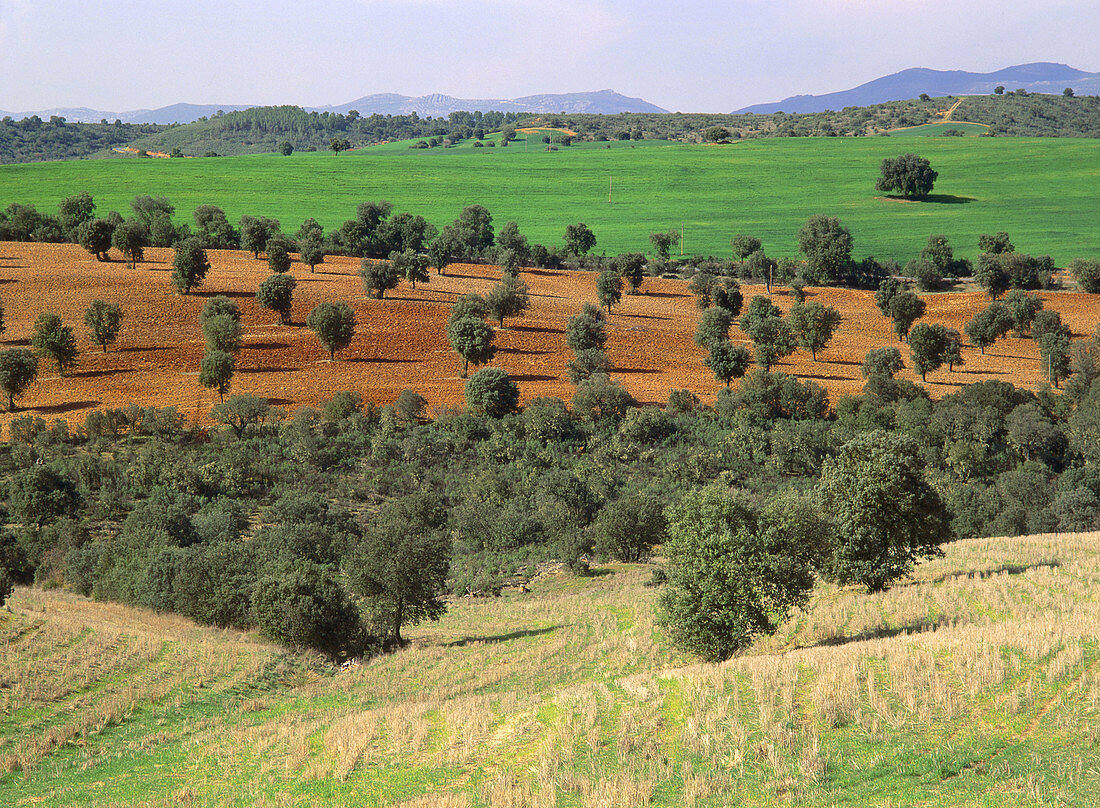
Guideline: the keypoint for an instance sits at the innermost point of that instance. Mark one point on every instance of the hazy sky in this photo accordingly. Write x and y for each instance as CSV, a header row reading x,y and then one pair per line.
x,y
690,56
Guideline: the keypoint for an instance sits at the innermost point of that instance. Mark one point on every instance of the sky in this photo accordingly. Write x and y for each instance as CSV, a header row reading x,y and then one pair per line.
x,y
689,56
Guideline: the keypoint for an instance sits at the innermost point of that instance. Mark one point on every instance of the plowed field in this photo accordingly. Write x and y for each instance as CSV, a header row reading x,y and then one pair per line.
x,y
401,341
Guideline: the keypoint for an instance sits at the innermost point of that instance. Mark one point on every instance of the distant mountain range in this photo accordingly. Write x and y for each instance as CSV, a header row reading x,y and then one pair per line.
x,y
604,102
1037,77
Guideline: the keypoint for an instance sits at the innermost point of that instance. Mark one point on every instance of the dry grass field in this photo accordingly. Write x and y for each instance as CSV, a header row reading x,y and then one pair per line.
x,y
975,683
401,341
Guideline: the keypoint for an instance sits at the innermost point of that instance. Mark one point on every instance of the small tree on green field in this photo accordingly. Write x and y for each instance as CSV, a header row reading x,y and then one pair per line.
x,y
131,238
18,370
662,243
339,144
104,321
507,299
378,277
727,361
905,309
909,175
988,326
55,340
286,148
744,245
813,325
276,293
729,577
190,265
995,243
491,392
472,339
73,211
334,325
95,237
579,240
609,288
216,371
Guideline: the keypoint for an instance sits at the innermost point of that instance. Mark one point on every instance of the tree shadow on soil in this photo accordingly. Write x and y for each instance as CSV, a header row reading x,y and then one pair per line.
x,y
533,377
69,406
498,638
537,329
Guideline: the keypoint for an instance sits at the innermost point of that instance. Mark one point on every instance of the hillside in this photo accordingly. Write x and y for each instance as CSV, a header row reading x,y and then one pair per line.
x,y
975,684
1037,77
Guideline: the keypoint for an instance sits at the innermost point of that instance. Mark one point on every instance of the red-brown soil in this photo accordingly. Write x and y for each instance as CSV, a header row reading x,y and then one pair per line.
x,y
401,341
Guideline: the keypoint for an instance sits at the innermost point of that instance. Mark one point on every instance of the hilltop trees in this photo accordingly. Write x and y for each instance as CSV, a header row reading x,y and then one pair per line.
x,y
910,175
334,325
104,321
662,243
18,370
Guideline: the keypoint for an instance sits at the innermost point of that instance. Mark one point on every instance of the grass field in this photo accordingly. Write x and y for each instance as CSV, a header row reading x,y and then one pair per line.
x,y
977,683
1042,191
937,129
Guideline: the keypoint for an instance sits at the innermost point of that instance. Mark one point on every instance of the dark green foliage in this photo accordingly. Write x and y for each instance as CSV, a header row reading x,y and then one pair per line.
x,y
928,347
609,288
586,330
131,238
772,340
1022,307
938,253
511,240
491,392
470,304
339,144
827,246
662,243
507,299
716,134
905,308
887,291
311,252
729,577
190,265
104,321
602,400
813,325
18,370
342,405
334,325
760,310
278,254
769,396
242,411
726,294
926,274
95,237
54,340
628,528
472,339
402,562
579,240
256,232
303,605
995,243
701,285
472,231
909,175
409,265
644,426
1054,355
378,277
631,267
214,230
217,306
744,245
758,265
216,371
988,325
1087,274
714,326
586,362
277,293
886,514
727,361
1084,368
40,495
286,148
214,583
148,209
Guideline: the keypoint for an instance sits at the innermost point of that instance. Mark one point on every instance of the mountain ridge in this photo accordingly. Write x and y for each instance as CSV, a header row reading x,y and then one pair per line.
x,y
1039,77
606,102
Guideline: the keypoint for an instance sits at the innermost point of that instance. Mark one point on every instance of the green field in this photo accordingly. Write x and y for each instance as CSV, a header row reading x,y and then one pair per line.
x,y
937,129
975,684
1042,191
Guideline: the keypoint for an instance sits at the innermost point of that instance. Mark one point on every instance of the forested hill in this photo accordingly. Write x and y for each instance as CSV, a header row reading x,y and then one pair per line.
x,y
264,129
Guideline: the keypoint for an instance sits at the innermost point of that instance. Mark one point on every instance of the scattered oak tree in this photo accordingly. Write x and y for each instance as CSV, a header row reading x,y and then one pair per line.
x,y
104,321
190,265
813,325
727,361
609,288
507,299
276,293
988,326
472,339
334,325
18,370
378,277
216,371
909,175
131,238
95,237
579,240
55,340
491,392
